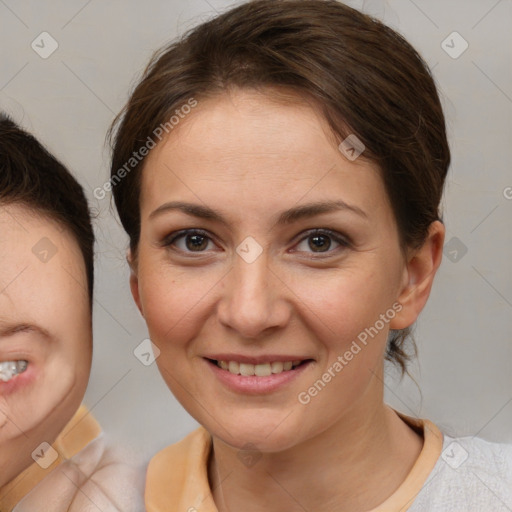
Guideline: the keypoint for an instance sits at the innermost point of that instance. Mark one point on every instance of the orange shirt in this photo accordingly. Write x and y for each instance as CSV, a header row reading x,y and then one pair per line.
x,y
79,432
177,476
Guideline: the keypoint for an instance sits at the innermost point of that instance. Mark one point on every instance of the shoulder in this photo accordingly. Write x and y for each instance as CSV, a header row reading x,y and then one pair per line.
x,y
109,474
484,459
194,445
470,472
179,472
480,453
96,477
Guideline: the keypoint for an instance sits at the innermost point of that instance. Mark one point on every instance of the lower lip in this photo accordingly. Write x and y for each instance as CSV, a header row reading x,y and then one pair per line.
x,y
19,381
253,385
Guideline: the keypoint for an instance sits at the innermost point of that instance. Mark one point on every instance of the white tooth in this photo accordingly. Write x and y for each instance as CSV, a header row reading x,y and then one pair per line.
x,y
262,370
234,367
8,369
5,375
246,369
277,367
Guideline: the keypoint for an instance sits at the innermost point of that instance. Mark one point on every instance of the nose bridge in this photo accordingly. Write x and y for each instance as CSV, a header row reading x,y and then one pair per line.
x,y
251,279
252,302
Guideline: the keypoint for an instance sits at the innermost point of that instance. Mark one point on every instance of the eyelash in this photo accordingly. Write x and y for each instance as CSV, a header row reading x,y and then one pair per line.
x,y
343,241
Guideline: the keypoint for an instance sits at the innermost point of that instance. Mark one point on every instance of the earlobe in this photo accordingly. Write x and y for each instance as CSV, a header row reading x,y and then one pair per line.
x,y
419,274
134,281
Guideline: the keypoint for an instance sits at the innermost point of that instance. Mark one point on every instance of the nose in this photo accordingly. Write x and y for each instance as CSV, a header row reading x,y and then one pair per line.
x,y
253,301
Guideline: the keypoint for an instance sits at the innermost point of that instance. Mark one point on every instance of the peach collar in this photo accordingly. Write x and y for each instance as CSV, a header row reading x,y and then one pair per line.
x,y
180,473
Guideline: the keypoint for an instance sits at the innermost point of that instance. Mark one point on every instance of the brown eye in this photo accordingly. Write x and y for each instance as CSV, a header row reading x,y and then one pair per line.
x,y
194,241
319,243
321,240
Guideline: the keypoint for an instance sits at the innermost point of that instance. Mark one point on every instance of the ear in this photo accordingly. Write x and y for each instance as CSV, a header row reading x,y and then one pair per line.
x,y
134,280
419,275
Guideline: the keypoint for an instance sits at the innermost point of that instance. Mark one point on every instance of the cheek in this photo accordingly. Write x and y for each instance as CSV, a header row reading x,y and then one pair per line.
x,y
66,371
69,316
67,368
174,301
342,304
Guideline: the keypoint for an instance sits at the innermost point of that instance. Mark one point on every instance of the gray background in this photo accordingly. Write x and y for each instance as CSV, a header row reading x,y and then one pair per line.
x,y
464,335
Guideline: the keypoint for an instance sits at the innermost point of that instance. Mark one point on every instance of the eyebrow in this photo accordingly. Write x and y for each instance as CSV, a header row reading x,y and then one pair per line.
x,y
286,217
8,329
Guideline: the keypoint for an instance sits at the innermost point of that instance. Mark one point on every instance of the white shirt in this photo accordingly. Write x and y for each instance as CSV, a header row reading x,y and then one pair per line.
x,y
471,475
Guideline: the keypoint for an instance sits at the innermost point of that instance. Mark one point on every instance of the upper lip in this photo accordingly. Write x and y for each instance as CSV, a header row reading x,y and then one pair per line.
x,y
18,353
16,357
240,358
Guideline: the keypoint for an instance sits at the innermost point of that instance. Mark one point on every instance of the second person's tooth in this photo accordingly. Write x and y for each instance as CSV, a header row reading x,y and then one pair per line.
x,y
22,365
8,369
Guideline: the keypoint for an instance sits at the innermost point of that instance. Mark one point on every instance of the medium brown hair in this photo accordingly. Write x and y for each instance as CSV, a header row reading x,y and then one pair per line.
x,y
366,79
32,177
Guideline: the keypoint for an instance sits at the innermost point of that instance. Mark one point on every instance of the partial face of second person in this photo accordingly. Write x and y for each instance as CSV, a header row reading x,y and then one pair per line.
x,y
208,294
45,319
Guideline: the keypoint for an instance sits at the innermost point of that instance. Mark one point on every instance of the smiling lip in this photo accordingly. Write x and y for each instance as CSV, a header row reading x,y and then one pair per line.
x,y
255,360
19,381
253,384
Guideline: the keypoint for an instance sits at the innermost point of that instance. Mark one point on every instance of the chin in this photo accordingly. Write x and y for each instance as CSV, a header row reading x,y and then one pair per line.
x,y
262,431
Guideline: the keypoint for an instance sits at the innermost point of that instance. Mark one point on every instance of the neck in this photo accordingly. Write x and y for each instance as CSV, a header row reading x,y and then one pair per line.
x,y
353,466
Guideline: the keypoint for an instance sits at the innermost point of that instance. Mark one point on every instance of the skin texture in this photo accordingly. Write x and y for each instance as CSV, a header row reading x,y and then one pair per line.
x,y
251,156
36,295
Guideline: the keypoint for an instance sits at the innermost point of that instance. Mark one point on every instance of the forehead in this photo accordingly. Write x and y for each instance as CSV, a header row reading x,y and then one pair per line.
x,y
38,257
259,150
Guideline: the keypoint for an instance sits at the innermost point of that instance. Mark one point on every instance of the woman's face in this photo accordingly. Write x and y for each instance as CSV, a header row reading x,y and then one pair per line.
x,y
264,280
45,322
